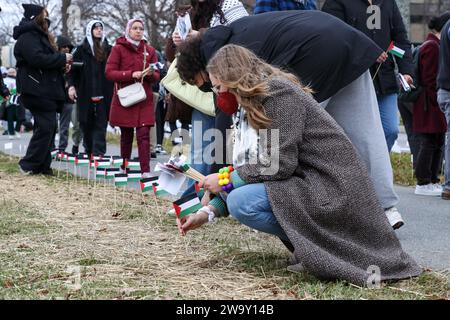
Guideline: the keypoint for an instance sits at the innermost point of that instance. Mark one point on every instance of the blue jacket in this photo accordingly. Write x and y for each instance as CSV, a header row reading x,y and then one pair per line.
x,y
262,6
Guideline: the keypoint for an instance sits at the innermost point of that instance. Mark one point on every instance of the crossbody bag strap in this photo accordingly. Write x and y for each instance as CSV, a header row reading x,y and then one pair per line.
x,y
145,62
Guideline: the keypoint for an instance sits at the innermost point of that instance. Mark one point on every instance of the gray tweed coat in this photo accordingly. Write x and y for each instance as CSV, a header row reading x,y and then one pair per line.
x,y
322,195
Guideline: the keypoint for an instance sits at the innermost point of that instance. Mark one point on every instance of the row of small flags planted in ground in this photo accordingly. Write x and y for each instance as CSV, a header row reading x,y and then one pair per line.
x,y
108,168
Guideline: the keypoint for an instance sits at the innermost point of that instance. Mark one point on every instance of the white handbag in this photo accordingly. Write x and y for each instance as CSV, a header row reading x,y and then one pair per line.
x,y
134,93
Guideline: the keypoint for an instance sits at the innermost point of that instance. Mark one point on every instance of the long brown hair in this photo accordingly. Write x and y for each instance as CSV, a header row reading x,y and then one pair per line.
x,y
203,12
248,77
99,50
43,24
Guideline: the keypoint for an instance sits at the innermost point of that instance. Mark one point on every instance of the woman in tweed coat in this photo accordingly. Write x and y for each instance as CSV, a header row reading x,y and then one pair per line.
x,y
320,199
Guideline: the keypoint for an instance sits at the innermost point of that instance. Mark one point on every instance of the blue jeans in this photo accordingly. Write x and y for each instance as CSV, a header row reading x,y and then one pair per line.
x,y
389,117
198,146
250,206
444,104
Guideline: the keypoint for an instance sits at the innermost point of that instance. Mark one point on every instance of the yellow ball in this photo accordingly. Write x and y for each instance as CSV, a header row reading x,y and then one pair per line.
x,y
226,181
221,182
220,176
226,175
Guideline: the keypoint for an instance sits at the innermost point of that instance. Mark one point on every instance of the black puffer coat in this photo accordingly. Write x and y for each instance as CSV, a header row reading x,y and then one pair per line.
x,y
40,68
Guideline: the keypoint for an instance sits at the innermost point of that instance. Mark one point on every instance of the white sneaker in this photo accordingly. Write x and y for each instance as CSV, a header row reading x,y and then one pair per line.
x,y
428,190
11,137
394,217
438,187
171,213
18,136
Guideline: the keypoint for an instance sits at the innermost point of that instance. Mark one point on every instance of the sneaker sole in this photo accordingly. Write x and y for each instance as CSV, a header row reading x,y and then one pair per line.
x,y
428,194
398,225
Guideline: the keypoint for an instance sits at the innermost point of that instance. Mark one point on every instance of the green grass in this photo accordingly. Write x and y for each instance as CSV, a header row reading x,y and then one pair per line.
x,y
403,169
34,257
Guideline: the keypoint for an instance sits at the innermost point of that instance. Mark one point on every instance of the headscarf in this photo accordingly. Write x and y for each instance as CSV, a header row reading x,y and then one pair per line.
x,y
128,29
89,36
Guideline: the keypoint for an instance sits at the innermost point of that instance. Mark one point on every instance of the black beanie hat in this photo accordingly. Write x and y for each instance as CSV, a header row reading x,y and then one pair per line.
x,y
32,11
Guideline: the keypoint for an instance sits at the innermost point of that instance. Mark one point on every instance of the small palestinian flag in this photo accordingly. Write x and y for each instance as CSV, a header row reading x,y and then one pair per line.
x,y
100,173
147,183
54,153
187,205
120,179
71,158
82,162
102,164
133,163
61,156
110,172
134,175
158,191
396,51
117,161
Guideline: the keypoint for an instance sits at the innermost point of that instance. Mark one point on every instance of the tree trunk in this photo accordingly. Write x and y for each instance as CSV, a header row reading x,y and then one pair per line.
x,y
65,16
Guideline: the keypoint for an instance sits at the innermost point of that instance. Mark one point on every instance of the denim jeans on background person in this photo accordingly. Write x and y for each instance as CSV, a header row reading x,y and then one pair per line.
x,y
250,205
64,125
389,117
199,147
444,104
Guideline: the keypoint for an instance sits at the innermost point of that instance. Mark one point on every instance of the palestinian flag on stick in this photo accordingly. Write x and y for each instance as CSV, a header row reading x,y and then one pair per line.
x,y
158,191
54,153
133,164
110,172
187,205
61,156
134,175
71,158
396,51
82,162
147,183
117,161
100,173
102,164
120,179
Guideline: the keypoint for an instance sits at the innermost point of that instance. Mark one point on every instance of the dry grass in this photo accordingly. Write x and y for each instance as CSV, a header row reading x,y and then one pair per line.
x,y
129,248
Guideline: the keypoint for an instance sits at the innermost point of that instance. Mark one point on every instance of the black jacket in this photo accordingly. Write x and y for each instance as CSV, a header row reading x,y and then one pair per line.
x,y
324,52
89,79
4,92
40,68
443,80
354,13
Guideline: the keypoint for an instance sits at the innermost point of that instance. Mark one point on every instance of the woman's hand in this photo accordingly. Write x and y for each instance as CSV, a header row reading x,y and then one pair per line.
x,y
69,58
67,68
192,222
382,58
177,38
137,75
408,79
211,183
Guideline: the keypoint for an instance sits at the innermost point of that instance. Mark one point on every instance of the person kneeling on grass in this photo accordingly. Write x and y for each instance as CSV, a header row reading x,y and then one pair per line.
x,y
320,202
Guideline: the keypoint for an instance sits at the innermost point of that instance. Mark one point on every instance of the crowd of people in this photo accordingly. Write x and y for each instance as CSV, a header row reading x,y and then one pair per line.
x,y
322,85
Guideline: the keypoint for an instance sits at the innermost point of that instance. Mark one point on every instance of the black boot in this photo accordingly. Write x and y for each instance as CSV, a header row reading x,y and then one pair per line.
x,y
75,150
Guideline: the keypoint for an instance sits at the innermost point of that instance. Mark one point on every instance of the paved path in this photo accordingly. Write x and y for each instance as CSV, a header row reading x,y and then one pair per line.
x,y
426,234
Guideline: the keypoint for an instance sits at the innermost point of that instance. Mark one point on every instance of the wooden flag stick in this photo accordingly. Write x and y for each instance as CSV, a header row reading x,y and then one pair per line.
x,y
378,69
